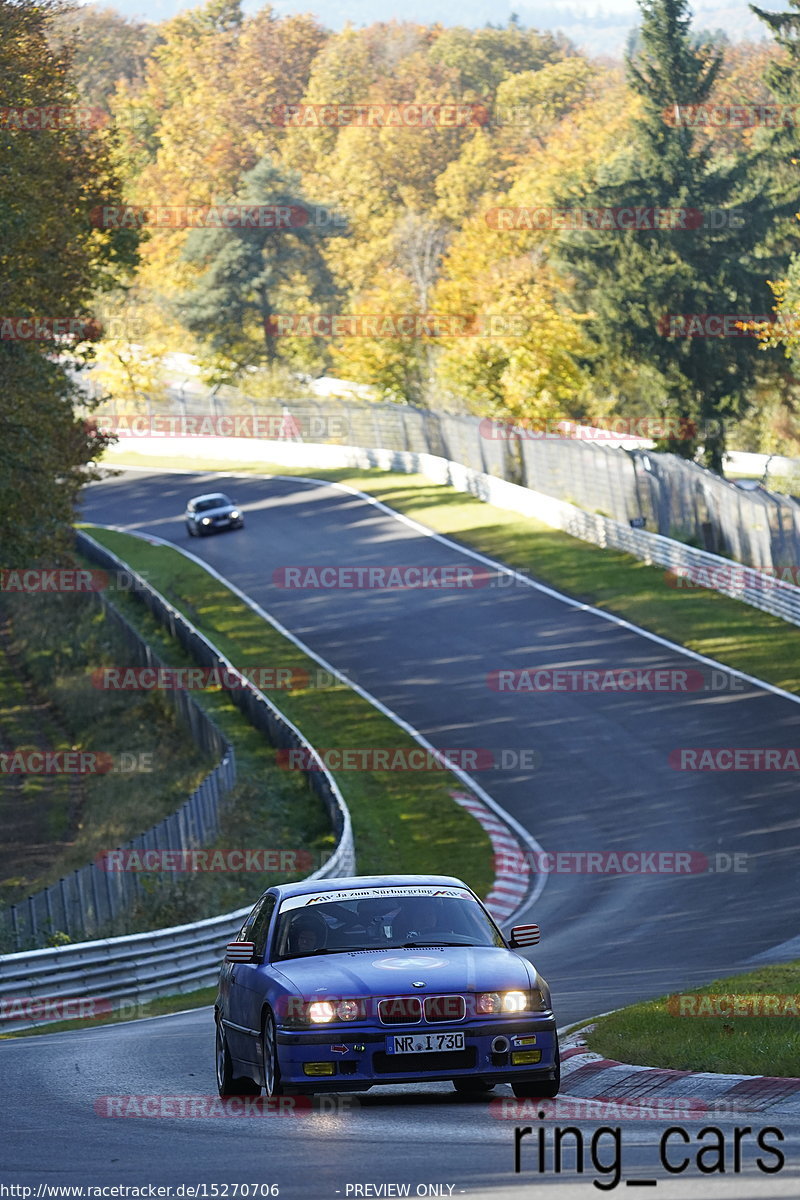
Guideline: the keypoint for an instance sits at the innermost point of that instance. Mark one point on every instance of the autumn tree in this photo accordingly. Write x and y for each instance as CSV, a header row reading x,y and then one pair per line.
x,y
52,263
251,274
634,281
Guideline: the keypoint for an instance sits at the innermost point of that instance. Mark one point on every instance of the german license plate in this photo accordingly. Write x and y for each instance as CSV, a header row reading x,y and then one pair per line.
x,y
424,1043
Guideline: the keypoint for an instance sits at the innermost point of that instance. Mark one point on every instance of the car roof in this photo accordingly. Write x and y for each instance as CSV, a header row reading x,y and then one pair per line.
x,y
208,496
317,886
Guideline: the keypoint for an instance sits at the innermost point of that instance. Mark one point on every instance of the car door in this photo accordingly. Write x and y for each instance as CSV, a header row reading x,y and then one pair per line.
x,y
248,983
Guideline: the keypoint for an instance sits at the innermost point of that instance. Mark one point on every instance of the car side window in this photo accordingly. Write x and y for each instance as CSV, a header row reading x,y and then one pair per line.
x,y
256,927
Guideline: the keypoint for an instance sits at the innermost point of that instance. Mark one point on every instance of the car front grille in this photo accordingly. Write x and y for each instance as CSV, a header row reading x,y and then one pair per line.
x,y
445,1008
401,1010
411,1010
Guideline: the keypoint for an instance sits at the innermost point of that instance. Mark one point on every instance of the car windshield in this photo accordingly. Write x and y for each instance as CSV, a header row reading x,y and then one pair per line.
x,y
211,502
399,920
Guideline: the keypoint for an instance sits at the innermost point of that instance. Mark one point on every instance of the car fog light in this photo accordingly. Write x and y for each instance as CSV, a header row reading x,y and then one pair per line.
x,y
322,1068
520,1058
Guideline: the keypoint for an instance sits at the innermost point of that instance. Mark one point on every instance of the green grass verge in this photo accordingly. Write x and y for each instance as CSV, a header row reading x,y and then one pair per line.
x,y
403,822
654,1035
133,1011
711,624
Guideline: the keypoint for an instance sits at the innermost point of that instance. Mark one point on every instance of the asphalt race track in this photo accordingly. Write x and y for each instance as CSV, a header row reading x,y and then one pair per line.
x,y
602,782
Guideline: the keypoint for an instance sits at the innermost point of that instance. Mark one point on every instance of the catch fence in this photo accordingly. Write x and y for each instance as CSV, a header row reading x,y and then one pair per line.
x,y
663,493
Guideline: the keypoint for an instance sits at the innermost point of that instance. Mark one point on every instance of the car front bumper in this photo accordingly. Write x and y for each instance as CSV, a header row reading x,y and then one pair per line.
x,y
358,1057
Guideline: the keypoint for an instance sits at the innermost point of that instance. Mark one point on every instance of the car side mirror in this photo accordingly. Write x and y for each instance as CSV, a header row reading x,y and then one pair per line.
x,y
240,952
524,935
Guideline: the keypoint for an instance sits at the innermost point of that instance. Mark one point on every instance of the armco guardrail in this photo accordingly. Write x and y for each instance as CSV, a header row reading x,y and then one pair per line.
x,y
689,567
91,901
118,973
123,970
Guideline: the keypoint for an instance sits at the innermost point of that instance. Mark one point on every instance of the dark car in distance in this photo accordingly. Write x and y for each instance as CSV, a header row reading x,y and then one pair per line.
x,y
210,513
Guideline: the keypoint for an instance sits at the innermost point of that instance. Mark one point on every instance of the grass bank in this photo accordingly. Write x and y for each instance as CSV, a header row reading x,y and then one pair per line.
x,y
743,1025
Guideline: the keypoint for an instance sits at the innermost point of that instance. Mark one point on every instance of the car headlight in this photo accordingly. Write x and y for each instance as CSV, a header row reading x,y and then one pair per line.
x,y
321,1012
488,1003
235,515
206,521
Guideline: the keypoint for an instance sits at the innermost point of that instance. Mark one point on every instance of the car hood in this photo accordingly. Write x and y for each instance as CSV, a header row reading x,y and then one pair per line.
x,y
393,972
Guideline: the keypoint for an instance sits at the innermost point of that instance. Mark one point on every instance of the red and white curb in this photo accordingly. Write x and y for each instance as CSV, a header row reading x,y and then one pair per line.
x,y
513,879
649,1091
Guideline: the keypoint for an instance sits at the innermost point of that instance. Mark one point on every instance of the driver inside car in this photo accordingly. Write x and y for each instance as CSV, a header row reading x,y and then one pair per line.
x,y
308,933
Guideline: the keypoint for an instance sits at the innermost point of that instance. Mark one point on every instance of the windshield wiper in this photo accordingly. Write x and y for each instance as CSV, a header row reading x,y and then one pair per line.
x,y
308,953
412,945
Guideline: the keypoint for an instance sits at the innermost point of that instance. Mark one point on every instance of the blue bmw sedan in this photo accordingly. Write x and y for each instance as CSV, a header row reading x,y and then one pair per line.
x,y
342,984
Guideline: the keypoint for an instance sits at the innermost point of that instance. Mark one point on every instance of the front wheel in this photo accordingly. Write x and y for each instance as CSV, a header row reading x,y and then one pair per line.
x,y
548,1089
227,1084
271,1068
190,529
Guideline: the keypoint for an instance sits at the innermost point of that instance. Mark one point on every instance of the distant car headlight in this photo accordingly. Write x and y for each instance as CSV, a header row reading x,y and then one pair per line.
x,y
206,521
488,1003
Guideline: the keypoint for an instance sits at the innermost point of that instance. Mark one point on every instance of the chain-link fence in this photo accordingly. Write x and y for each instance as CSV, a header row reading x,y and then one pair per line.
x,y
668,494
